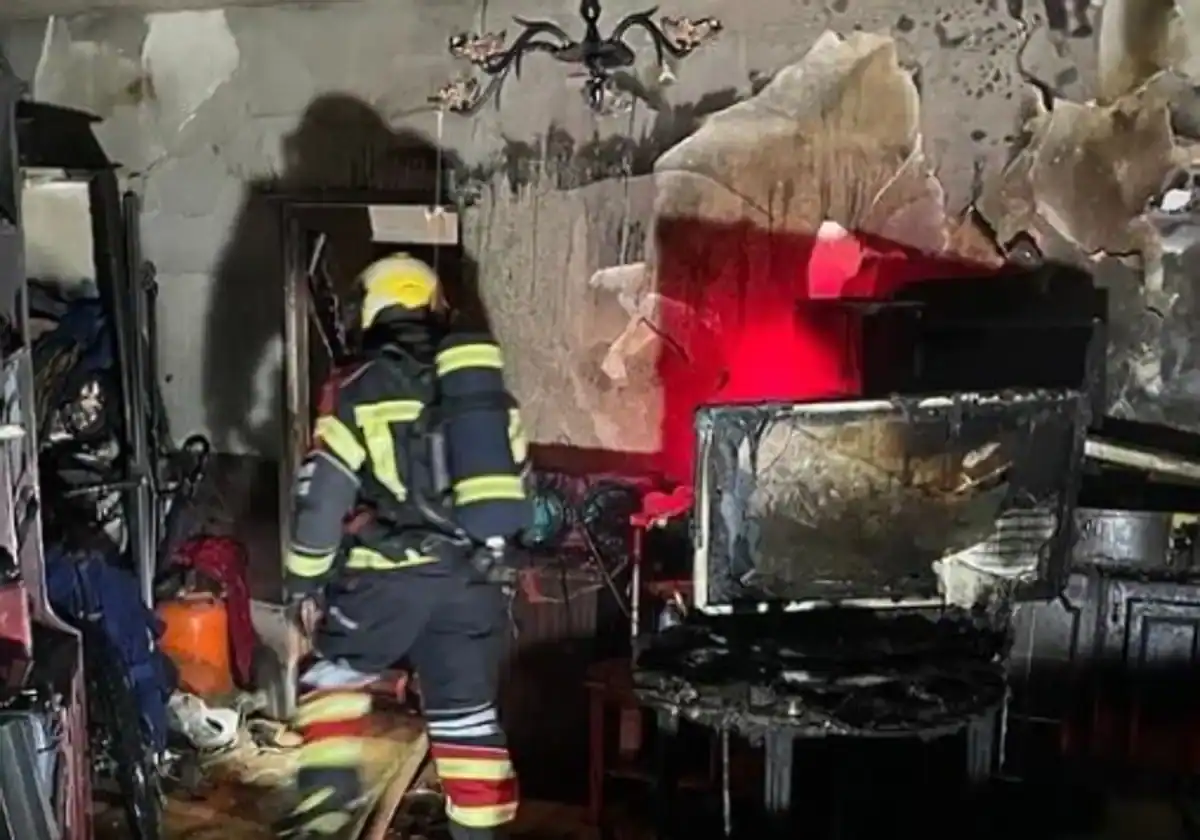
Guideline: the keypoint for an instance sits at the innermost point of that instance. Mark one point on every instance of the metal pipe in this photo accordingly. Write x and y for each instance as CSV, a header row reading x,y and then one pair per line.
x,y
110,254
635,584
160,434
281,685
1142,458
143,537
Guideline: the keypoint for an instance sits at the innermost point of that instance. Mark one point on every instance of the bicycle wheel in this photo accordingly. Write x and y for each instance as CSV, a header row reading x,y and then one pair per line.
x,y
116,718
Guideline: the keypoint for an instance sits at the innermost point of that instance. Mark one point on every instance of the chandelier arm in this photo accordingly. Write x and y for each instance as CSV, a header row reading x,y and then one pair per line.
x,y
633,19
526,42
662,44
554,50
542,27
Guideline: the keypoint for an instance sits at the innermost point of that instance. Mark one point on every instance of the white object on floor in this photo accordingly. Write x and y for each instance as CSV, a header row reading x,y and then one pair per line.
x,y
206,729
11,432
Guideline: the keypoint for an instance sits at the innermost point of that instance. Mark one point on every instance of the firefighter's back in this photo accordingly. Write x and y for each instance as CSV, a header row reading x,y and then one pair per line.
x,y
387,398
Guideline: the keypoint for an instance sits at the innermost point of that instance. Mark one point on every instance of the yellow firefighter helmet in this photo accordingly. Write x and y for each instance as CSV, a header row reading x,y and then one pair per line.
x,y
398,280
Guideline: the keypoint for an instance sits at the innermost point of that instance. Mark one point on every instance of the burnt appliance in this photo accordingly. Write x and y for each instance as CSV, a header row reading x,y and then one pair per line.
x,y
837,544
965,436
962,499
856,560
855,568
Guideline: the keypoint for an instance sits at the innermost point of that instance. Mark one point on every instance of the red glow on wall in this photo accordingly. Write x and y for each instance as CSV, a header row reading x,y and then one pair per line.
x,y
751,318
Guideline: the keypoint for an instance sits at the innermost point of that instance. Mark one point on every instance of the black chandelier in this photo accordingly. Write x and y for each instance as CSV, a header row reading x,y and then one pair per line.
x,y
599,56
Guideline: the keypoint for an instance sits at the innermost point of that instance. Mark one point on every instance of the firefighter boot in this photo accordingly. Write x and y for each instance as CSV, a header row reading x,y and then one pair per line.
x,y
342,769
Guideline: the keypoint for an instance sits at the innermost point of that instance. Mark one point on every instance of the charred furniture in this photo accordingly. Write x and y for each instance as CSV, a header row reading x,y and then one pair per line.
x,y
856,561
1102,676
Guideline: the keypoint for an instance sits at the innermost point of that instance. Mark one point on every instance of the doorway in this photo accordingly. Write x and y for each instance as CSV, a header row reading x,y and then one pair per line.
x,y
327,245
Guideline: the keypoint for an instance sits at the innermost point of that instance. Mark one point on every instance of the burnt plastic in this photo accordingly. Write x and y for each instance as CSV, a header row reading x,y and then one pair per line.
x,y
859,500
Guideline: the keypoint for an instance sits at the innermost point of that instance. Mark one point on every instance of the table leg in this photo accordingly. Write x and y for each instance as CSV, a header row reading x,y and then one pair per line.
x,y
981,748
666,785
595,757
777,787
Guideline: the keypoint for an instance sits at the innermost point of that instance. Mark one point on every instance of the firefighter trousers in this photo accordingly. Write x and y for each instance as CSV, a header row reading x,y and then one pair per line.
x,y
451,631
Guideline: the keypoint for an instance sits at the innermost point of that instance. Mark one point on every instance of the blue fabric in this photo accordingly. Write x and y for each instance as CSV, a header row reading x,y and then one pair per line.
x,y
84,323
85,587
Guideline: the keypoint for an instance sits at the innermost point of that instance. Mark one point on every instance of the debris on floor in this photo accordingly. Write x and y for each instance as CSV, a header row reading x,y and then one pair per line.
x,y
239,782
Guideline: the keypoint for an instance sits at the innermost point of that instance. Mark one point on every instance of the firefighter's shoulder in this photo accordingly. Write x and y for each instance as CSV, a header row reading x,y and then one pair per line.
x,y
462,349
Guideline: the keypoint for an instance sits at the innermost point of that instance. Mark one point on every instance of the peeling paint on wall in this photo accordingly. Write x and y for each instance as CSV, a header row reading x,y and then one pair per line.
x,y
187,56
90,75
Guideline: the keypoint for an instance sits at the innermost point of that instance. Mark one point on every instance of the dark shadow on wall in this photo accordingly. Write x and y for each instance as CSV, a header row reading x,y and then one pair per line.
x,y
341,147
341,144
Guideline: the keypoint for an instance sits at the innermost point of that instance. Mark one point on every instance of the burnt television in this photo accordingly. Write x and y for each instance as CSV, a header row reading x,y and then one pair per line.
x,y
916,501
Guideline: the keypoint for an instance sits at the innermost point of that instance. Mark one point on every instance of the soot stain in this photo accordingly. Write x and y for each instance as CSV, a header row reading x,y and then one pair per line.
x,y
571,163
1066,77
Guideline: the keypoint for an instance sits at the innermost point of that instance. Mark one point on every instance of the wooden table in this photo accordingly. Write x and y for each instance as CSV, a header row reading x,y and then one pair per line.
x,y
609,685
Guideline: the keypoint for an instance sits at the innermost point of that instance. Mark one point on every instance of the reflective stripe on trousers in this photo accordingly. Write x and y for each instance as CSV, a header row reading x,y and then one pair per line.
x,y
472,760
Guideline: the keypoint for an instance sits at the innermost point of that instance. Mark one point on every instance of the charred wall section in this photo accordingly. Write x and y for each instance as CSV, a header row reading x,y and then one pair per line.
x,y
197,106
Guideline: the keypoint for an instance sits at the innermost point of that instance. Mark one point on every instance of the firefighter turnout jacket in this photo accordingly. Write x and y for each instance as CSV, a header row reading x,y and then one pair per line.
x,y
395,430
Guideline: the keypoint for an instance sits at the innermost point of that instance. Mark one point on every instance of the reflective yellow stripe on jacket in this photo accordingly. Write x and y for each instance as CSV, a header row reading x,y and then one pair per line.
x,y
489,488
306,565
376,421
364,558
481,355
516,437
339,440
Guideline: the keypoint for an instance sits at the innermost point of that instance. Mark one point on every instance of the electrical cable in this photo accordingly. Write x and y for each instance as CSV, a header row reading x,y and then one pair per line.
x,y
606,575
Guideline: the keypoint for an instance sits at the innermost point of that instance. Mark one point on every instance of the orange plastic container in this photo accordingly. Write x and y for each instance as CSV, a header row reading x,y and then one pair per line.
x,y
196,638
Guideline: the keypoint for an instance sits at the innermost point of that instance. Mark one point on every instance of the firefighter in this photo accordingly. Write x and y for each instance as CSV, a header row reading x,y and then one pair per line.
x,y
406,450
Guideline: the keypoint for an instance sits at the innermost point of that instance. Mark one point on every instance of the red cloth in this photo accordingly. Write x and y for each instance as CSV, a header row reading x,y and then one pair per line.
x,y
656,506
223,559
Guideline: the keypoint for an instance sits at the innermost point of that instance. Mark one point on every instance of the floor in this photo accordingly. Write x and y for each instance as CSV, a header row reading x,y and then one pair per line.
x,y
867,795
227,814
224,807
